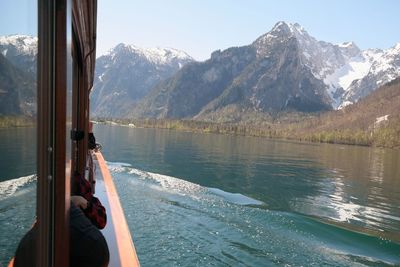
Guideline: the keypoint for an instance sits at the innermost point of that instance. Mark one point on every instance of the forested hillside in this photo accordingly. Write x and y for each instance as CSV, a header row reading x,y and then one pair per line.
x,y
374,121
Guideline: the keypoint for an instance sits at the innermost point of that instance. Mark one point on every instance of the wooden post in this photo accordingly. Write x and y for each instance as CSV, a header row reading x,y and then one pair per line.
x,y
52,187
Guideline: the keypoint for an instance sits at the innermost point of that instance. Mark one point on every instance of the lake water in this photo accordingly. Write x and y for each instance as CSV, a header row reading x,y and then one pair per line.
x,y
216,200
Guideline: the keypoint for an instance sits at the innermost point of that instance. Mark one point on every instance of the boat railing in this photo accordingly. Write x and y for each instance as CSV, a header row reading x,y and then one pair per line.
x,y
116,232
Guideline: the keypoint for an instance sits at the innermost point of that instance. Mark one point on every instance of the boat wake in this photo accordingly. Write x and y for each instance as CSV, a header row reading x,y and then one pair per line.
x,y
180,186
236,198
10,187
178,211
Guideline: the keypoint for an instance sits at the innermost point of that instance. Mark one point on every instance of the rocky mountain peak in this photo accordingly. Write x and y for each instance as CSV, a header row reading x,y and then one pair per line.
x,y
20,50
159,56
126,73
23,44
394,51
281,33
281,28
119,48
285,68
349,49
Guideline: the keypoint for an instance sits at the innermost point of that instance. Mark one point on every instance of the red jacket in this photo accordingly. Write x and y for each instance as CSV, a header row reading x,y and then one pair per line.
x,y
95,210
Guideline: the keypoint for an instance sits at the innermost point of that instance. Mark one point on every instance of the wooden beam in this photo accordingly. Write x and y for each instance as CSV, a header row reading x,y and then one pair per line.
x,y
52,187
61,179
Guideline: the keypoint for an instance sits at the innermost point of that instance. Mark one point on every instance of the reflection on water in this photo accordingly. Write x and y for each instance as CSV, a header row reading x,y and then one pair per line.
x,y
358,187
363,189
226,200
176,222
18,152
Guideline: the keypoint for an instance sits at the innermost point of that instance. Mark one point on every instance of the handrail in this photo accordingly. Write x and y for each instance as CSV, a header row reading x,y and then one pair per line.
x,y
125,247
11,263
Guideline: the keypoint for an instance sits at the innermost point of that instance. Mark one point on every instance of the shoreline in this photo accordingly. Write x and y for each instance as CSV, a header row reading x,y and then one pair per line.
x,y
16,121
340,137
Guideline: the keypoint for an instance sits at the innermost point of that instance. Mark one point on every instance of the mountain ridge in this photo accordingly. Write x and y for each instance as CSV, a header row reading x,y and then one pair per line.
x,y
334,69
21,51
335,75
125,74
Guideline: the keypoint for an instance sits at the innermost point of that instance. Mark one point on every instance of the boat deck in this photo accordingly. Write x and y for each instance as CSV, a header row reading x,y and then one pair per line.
x,y
116,232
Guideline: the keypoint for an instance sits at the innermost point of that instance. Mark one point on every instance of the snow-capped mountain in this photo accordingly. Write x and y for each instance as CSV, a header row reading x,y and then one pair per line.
x,y
158,56
20,50
23,44
18,55
384,66
284,69
348,72
126,73
265,76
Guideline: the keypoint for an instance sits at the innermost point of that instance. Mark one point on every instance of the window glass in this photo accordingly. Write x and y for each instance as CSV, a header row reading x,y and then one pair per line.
x,y
18,106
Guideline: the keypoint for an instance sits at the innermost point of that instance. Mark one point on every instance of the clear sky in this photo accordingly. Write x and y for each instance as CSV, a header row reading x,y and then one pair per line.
x,y
202,26
18,17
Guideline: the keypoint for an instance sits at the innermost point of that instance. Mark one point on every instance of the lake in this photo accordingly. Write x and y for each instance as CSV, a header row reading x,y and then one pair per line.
x,y
216,200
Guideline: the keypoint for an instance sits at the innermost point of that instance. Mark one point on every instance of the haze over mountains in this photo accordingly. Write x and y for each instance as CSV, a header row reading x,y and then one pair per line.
x,y
285,69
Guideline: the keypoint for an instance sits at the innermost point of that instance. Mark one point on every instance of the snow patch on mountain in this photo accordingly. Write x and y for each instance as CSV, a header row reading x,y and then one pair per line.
x,y
24,44
161,56
385,67
126,73
356,68
348,72
346,44
388,61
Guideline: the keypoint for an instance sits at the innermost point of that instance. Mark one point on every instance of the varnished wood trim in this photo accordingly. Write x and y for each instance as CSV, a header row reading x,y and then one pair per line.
x,y
126,249
61,180
44,82
52,186
11,263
